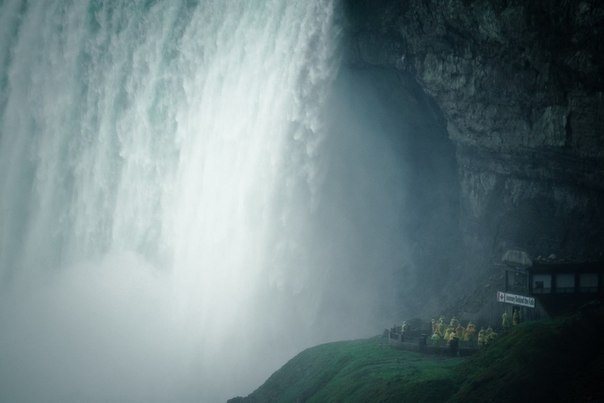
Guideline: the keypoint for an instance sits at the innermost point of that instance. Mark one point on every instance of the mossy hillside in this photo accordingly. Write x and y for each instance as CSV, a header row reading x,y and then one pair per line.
x,y
360,370
550,360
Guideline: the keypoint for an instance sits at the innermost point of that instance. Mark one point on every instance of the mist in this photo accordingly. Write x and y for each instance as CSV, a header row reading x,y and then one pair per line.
x,y
194,193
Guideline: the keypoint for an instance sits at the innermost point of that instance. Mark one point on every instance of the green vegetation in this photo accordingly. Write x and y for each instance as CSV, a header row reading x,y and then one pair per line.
x,y
550,360
359,370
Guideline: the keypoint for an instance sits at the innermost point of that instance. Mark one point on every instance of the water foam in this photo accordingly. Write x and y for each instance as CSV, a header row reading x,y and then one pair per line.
x,y
169,226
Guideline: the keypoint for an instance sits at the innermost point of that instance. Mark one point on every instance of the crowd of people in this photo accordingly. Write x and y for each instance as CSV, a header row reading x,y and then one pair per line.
x,y
453,334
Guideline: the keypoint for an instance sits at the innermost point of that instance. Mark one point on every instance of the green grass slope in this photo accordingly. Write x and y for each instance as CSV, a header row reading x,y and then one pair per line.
x,y
359,371
552,360
559,360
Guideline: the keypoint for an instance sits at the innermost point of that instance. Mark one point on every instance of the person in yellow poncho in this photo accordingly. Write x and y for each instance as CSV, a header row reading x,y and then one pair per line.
x,y
435,339
505,321
490,335
469,332
441,326
449,334
482,338
516,317
460,332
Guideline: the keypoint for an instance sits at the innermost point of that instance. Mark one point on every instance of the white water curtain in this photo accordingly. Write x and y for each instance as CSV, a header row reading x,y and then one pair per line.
x,y
162,164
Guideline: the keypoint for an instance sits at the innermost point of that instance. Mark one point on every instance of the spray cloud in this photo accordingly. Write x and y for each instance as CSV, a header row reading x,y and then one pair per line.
x,y
191,193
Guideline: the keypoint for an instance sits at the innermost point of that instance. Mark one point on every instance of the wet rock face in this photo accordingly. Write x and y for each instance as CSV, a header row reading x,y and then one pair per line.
x,y
521,87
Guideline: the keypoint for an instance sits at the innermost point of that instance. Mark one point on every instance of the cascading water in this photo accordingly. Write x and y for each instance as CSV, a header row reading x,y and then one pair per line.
x,y
182,207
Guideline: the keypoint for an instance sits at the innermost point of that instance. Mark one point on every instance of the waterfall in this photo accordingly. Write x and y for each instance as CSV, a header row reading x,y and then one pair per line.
x,y
174,222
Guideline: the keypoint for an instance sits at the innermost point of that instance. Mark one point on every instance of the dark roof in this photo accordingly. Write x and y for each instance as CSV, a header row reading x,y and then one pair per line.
x,y
566,267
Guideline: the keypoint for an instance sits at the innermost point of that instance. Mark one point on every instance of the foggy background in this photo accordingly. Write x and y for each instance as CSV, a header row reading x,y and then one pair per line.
x,y
192,193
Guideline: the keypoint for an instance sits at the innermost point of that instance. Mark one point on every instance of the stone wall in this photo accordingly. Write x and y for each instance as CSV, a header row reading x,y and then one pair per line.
x,y
520,85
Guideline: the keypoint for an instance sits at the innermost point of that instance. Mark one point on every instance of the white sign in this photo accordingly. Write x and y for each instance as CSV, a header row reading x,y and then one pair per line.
x,y
515,299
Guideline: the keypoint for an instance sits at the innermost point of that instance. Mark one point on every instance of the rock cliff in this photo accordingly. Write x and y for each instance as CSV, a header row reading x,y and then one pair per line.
x,y
520,86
